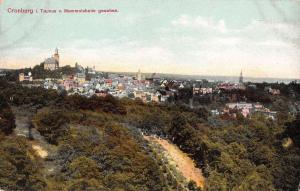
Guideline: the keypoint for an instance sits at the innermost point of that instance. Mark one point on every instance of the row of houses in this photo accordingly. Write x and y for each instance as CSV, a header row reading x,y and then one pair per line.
x,y
246,109
115,85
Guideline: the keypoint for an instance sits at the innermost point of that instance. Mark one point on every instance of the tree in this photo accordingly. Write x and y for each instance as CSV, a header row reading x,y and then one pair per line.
x,y
52,125
7,118
293,130
192,186
253,182
216,182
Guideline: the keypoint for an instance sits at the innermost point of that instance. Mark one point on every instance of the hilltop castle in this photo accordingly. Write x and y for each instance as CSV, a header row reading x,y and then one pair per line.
x,y
53,62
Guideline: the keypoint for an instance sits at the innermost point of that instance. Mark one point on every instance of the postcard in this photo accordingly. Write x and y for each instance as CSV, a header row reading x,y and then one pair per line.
x,y
146,95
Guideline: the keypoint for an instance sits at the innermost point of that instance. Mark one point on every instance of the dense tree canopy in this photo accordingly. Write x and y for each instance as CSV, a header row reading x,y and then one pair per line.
x,y
99,145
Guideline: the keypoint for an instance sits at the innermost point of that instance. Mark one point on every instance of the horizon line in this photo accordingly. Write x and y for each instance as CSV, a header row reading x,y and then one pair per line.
x,y
191,75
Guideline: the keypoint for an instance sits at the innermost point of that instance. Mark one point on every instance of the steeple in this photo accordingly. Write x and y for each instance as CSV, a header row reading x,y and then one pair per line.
x,y
241,80
56,57
139,75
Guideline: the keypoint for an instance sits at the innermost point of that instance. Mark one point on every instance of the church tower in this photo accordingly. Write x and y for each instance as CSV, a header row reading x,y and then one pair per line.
x,y
139,75
241,80
56,55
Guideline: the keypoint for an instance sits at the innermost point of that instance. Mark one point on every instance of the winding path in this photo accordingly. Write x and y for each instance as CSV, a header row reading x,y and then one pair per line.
x,y
184,164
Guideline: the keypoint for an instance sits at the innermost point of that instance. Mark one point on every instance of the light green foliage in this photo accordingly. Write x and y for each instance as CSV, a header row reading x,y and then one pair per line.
x,y
20,168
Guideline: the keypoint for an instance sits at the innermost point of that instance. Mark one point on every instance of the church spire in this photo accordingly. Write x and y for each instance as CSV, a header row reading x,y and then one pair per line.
x,y
241,80
56,56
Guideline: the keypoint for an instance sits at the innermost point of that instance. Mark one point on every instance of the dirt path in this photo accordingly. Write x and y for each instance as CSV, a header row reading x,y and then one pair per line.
x,y
22,122
184,164
40,151
39,144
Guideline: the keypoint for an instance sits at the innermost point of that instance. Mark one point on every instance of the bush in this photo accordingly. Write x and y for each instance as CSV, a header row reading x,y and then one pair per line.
x,y
19,166
52,125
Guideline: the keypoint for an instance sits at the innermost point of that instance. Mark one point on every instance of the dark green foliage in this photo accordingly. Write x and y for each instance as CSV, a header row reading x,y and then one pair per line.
x,y
193,187
96,152
247,158
256,95
52,125
107,158
151,123
7,118
107,104
40,97
240,154
293,130
202,112
19,95
184,94
38,72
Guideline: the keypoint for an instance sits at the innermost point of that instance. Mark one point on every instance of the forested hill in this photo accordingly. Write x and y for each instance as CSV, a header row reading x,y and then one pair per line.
x,y
38,72
97,145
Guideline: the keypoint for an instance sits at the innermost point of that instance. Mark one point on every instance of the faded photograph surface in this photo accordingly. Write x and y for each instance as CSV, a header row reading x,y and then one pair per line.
x,y
149,95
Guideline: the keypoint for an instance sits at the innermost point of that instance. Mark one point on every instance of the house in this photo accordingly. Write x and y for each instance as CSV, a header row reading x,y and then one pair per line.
x,y
206,90
156,97
253,86
258,106
164,98
181,86
2,73
245,112
227,86
108,82
101,93
215,112
239,105
91,70
246,109
23,77
144,96
80,78
69,83
196,90
272,91
121,87
268,114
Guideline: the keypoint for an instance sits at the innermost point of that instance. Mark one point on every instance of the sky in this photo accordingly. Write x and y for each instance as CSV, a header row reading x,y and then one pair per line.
x,y
207,37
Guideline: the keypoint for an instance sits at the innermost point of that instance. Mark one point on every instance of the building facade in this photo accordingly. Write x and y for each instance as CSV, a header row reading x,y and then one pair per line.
x,y
53,62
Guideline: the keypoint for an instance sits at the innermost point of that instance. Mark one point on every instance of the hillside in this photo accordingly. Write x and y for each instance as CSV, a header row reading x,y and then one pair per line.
x,y
96,143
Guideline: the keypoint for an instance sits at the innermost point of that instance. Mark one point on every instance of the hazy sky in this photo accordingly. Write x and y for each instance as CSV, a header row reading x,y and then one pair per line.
x,y
207,37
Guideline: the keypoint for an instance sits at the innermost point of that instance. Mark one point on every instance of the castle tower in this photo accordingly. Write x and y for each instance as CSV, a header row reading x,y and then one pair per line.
x,y
241,80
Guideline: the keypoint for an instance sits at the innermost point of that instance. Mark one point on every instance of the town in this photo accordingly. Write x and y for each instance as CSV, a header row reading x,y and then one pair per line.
x,y
152,88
